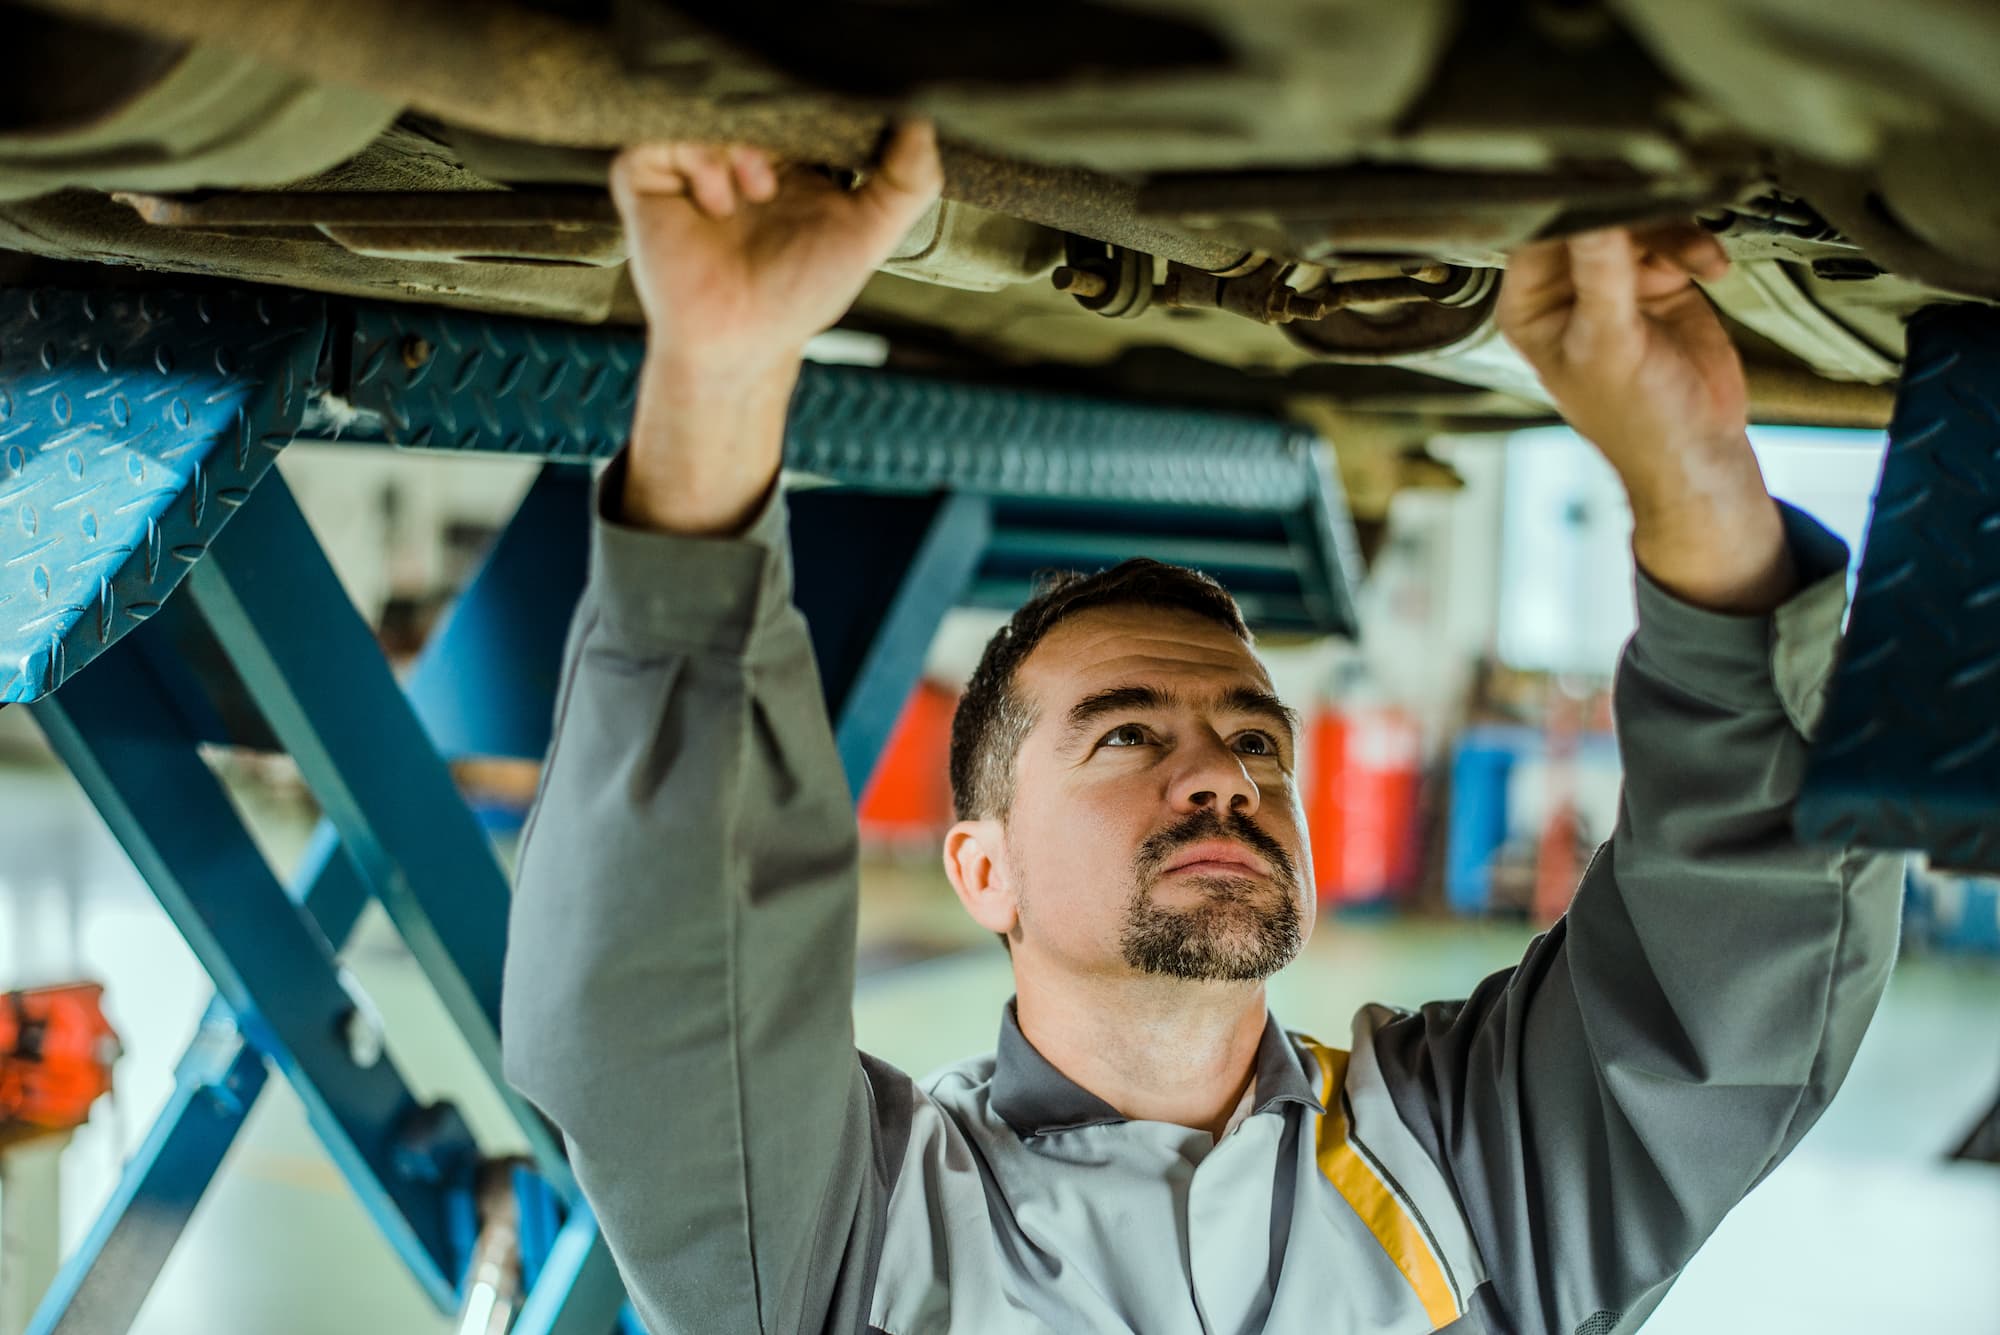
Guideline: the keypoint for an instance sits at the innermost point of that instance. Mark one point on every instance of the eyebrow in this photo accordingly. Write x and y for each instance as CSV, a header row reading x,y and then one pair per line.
x,y
1138,699
1250,700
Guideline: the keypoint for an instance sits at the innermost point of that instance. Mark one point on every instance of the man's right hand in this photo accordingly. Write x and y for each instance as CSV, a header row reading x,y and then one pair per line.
x,y
738,262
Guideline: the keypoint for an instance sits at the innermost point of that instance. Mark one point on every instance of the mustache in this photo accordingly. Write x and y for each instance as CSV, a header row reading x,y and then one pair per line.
x,y
1206,823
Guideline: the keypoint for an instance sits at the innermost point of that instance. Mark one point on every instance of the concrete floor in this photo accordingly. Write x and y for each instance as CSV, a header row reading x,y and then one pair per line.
x,y
1866,1229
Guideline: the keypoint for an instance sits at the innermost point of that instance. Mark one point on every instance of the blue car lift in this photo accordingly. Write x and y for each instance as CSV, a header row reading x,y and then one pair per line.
x,y
1909,752
140,525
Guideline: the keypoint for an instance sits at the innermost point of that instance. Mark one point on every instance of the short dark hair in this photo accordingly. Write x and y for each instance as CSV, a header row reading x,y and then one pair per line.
x,y
992,718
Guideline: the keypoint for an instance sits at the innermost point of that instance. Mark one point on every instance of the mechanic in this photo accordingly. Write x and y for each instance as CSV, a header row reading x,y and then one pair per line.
x,y
1148,1150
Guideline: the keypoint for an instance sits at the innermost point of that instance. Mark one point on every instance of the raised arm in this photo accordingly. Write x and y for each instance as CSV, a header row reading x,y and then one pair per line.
x,y
1599,1108
681,956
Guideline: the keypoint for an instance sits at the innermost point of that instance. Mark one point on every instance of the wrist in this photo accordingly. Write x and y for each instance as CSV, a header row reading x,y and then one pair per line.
x,y
706,446
1704,527
713,384
1730,557
1666,471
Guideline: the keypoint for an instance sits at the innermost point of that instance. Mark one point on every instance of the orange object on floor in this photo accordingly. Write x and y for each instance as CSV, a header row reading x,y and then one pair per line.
x,y
56,1054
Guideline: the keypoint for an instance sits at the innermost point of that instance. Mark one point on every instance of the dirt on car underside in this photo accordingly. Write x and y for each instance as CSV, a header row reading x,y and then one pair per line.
x,y
1293,204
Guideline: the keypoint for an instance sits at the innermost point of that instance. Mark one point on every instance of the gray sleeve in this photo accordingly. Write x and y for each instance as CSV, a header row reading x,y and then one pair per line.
x,y
680,961
1600,1107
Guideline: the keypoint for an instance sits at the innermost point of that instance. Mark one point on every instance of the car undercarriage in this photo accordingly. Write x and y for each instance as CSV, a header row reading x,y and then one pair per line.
x,y
1295,207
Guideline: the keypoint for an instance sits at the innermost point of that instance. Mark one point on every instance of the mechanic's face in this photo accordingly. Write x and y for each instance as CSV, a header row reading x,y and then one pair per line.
x,y
1155,827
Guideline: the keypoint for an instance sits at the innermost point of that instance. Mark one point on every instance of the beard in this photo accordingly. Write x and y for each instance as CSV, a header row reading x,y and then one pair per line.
x,y
1245,927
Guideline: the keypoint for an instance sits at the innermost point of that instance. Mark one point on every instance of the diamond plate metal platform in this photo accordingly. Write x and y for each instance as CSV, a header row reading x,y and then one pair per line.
x,y
433,380
1079,481
1908,756
130,427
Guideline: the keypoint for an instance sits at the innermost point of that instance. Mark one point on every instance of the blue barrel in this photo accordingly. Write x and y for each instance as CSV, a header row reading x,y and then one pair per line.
x,y
1480,768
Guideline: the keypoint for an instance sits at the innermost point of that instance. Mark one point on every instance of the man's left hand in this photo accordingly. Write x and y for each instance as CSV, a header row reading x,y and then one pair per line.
x,y
1638,362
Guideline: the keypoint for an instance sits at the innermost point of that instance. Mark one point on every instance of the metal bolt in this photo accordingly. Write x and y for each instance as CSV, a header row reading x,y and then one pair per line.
x,y
1301,307
1080,282
416,351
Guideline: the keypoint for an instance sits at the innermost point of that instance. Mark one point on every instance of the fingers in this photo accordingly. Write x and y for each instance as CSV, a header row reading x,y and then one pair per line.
x,y
756,174
1689,247
1604,265
910,162
711,183
640,171
714,178
1537,280
719,178
910,175
1593,287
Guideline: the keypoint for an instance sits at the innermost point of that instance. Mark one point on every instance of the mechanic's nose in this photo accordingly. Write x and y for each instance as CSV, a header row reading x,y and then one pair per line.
x,y
1216,778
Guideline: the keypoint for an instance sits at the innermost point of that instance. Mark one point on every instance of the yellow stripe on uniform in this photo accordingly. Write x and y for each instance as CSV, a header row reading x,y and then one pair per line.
x,y
1379,1208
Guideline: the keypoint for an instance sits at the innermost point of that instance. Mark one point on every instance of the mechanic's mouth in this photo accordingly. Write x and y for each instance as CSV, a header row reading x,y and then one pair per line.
x,y
1217,858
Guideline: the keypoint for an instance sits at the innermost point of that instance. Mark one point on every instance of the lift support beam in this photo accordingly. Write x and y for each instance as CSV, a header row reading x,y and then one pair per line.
x,y
1909,752
133,425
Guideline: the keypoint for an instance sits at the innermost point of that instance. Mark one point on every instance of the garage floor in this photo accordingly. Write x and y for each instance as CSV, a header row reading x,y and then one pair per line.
x,y
1866,1229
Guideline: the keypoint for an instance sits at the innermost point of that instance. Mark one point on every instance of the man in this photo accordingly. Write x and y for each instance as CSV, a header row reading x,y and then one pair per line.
x,y
1148,1150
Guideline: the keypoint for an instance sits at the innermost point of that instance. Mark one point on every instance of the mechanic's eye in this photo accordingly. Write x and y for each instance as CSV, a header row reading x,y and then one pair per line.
x,y
1126,734
1257,744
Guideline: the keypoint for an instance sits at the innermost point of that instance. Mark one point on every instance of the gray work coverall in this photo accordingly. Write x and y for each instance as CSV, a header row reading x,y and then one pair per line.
x,y
1543,1156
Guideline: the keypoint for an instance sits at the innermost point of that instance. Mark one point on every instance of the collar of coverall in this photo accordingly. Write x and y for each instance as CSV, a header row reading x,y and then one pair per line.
x,y
1036,1099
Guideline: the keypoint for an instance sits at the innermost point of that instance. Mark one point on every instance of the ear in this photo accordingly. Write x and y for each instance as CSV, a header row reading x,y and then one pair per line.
x,y
975,861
